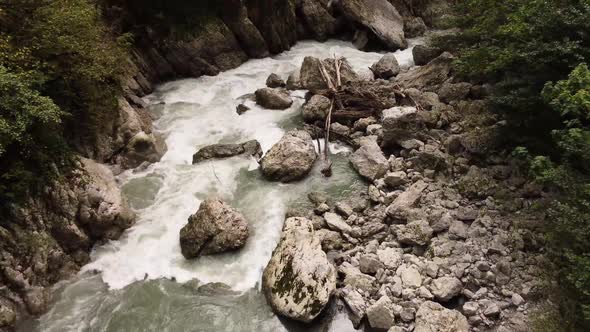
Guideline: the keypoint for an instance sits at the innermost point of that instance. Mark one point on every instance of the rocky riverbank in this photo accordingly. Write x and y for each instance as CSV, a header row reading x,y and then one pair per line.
x,y
440,240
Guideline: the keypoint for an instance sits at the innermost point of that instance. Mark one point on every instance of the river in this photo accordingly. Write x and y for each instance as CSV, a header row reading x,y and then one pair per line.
x,y
142,282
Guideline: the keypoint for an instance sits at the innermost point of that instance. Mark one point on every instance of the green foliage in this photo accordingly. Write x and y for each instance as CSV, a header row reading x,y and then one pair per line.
x,y
60,71
519,45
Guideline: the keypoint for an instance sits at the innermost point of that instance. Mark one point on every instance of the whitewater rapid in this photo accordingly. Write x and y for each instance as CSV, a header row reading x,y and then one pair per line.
x,y
194,113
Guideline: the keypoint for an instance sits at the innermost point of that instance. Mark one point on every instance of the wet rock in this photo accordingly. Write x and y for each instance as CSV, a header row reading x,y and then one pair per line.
x,y
369,161
318,19
241,109
37,300
414,27
386,67
432,316
299,280
275,81
294,81
423,54
378,16
219,151
103,210
380,314
446,288
415,233
316,108
215,228
273,99
7,315
311,77
142,147
291,159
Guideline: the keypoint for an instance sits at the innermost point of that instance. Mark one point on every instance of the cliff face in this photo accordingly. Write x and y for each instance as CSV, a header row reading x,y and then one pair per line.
x,y
50,237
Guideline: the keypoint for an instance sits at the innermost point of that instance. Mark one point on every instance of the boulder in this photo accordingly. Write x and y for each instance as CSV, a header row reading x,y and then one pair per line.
x,y
336,223
246,33
407,199
446,288
273,99
215,228
316,108
433,317
423,54
290,159
318,19
218,151
294,81
414,27
355,303
311,77
428,77
386,68
369,161
399,124
142,147
380,314
241,109
274,81
454,91
299,280
378,16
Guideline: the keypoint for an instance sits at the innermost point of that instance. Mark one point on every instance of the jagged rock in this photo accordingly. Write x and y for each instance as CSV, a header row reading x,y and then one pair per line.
x,y
7,315
218,151
369,161
215,228
340,129
390,257
103,210
355,303
142,148
399,124
317,19
406,200
336,223
273,99
343,209
395,179
428,77
378,16
291,158
241,109
369,264
446,288
414,27
433,317
416,233
423,54
362,124
299,280
458,230
37,300
246,32
380,314
410,276
470,308
386,67
311,77
294,81
316,108
274,81
330,240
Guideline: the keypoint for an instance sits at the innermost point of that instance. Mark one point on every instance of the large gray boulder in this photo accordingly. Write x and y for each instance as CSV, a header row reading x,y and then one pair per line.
x,y
386,68
273,99
218,151
290,159
399,124
311,77
433,317
380,17
299,280
215,228
369,161
423,54
446,288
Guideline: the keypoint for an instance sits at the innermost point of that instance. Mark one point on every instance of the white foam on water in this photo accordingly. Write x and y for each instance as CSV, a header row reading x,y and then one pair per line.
x,y
199,112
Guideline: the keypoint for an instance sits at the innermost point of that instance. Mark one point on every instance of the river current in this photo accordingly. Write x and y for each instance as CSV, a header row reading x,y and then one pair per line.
x,y
142,282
